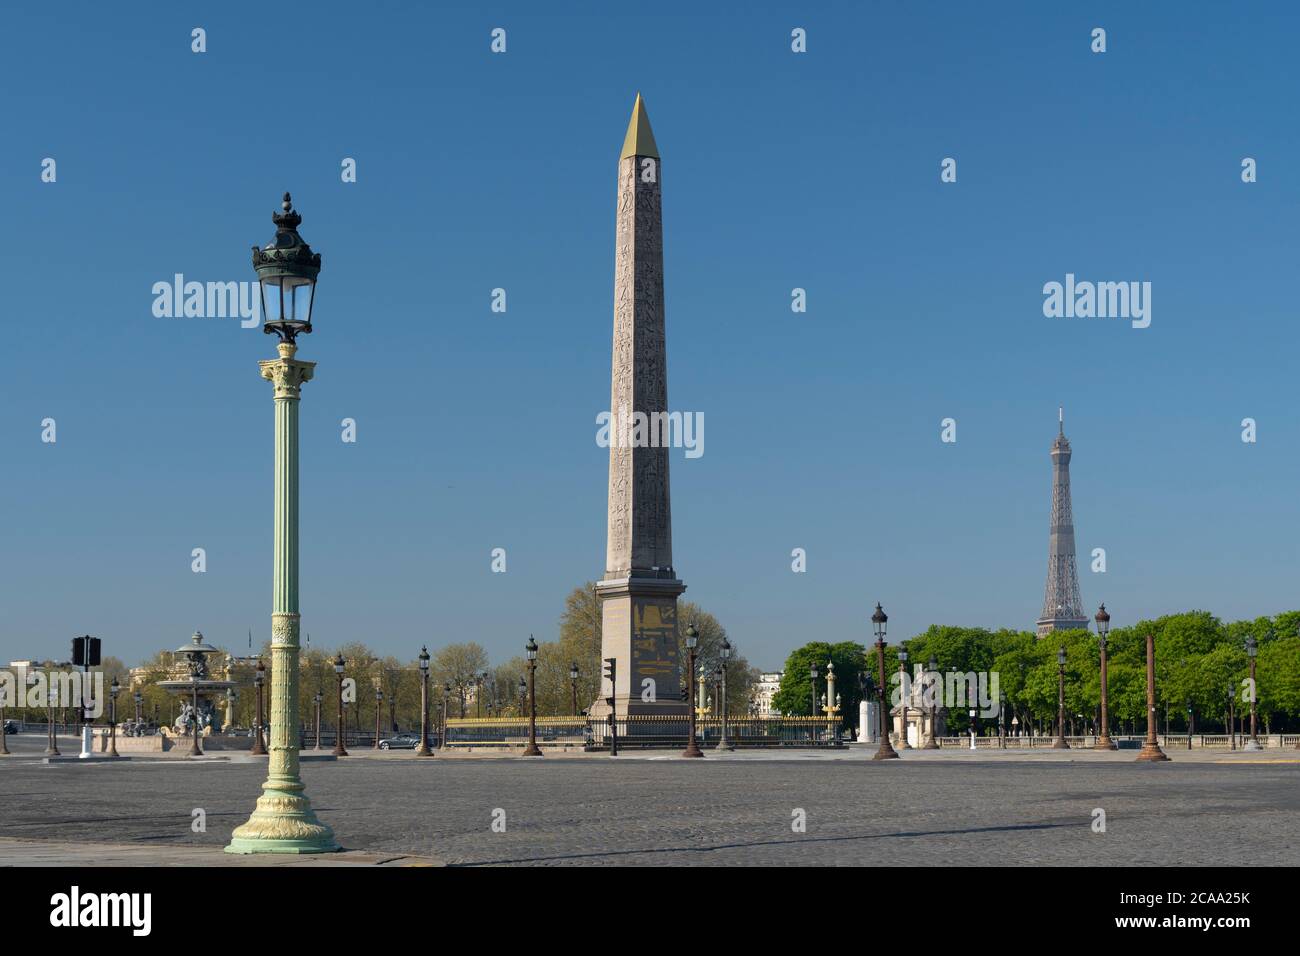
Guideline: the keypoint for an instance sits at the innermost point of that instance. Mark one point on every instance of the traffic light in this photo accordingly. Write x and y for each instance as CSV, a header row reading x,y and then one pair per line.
x,y
85,651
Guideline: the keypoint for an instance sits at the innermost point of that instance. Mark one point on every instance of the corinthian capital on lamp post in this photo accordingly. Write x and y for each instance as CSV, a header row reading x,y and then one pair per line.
x,y
284,821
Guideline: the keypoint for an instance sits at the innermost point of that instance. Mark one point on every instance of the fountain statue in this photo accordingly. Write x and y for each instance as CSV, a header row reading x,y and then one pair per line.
x,y
197,689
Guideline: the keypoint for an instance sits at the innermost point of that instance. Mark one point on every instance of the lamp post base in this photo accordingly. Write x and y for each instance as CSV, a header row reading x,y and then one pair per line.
x,y
886,751
1060,744
1252,745
283,823
1152,752
930,743
531,750
1105,743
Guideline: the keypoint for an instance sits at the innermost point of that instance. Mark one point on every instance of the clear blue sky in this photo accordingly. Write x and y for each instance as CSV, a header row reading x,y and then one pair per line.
x,y
476,430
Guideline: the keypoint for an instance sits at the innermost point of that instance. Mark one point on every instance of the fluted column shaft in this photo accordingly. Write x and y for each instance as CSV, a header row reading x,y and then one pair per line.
x,y
284,821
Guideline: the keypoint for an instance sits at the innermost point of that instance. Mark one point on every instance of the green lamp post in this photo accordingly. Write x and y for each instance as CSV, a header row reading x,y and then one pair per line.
x,y
284,821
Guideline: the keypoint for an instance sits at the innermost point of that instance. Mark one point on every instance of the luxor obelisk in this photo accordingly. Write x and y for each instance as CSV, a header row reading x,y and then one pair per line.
x,y
639,591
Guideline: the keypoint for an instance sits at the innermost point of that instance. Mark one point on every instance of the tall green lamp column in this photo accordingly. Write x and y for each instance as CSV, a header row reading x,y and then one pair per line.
x,y
283,821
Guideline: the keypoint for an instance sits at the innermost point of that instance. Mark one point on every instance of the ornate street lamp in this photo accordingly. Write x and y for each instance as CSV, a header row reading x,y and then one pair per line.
x,y
286,271
879,620
446,709
692,640
573,685
829,707
379,707
316,700
530,649
1151,748
1232,714
523,694
195,750
1002,719
1103,630
903,695
259,681
932,672
478,695
1190,714
725,653
423,750
4,736
812,675
113,690
139,699
1060,742
339,749
1252,648
52,737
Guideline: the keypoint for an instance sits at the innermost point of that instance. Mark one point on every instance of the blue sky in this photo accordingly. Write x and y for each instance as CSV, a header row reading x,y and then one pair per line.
x,y
476,430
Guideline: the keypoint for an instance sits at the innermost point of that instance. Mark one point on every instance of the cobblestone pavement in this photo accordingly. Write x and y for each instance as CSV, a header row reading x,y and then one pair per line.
x,y
948,809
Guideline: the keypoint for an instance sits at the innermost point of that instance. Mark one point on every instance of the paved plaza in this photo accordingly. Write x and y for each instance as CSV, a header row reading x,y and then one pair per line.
x,y
946,808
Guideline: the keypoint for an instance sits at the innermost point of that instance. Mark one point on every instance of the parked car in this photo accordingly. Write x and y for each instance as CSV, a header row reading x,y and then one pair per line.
x,y
11,727
400,742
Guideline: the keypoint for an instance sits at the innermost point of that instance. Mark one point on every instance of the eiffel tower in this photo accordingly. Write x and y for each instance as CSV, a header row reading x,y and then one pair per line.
x,y
1062,603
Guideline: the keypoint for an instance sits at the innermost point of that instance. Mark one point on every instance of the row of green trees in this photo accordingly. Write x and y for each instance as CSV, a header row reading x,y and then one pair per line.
x,y
1200,662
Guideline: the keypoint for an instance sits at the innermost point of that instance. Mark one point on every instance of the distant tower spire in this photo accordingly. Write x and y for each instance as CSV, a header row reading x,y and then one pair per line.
x,y
1062,603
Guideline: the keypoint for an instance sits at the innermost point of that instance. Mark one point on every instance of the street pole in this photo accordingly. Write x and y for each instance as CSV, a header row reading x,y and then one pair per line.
x,y
932,671
1060,742
446,712
423,750
340,749
692,640
1103,630
259,680
1252,648
194,719
1151,748
886,751
723,742
52,738
530,649
284,820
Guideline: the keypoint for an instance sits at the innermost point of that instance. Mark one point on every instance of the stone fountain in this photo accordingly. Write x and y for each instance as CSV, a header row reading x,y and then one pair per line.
x,y
201,691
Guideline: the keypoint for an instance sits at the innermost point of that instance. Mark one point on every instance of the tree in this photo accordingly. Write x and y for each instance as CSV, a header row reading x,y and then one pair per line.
x,y
458,665
795,695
